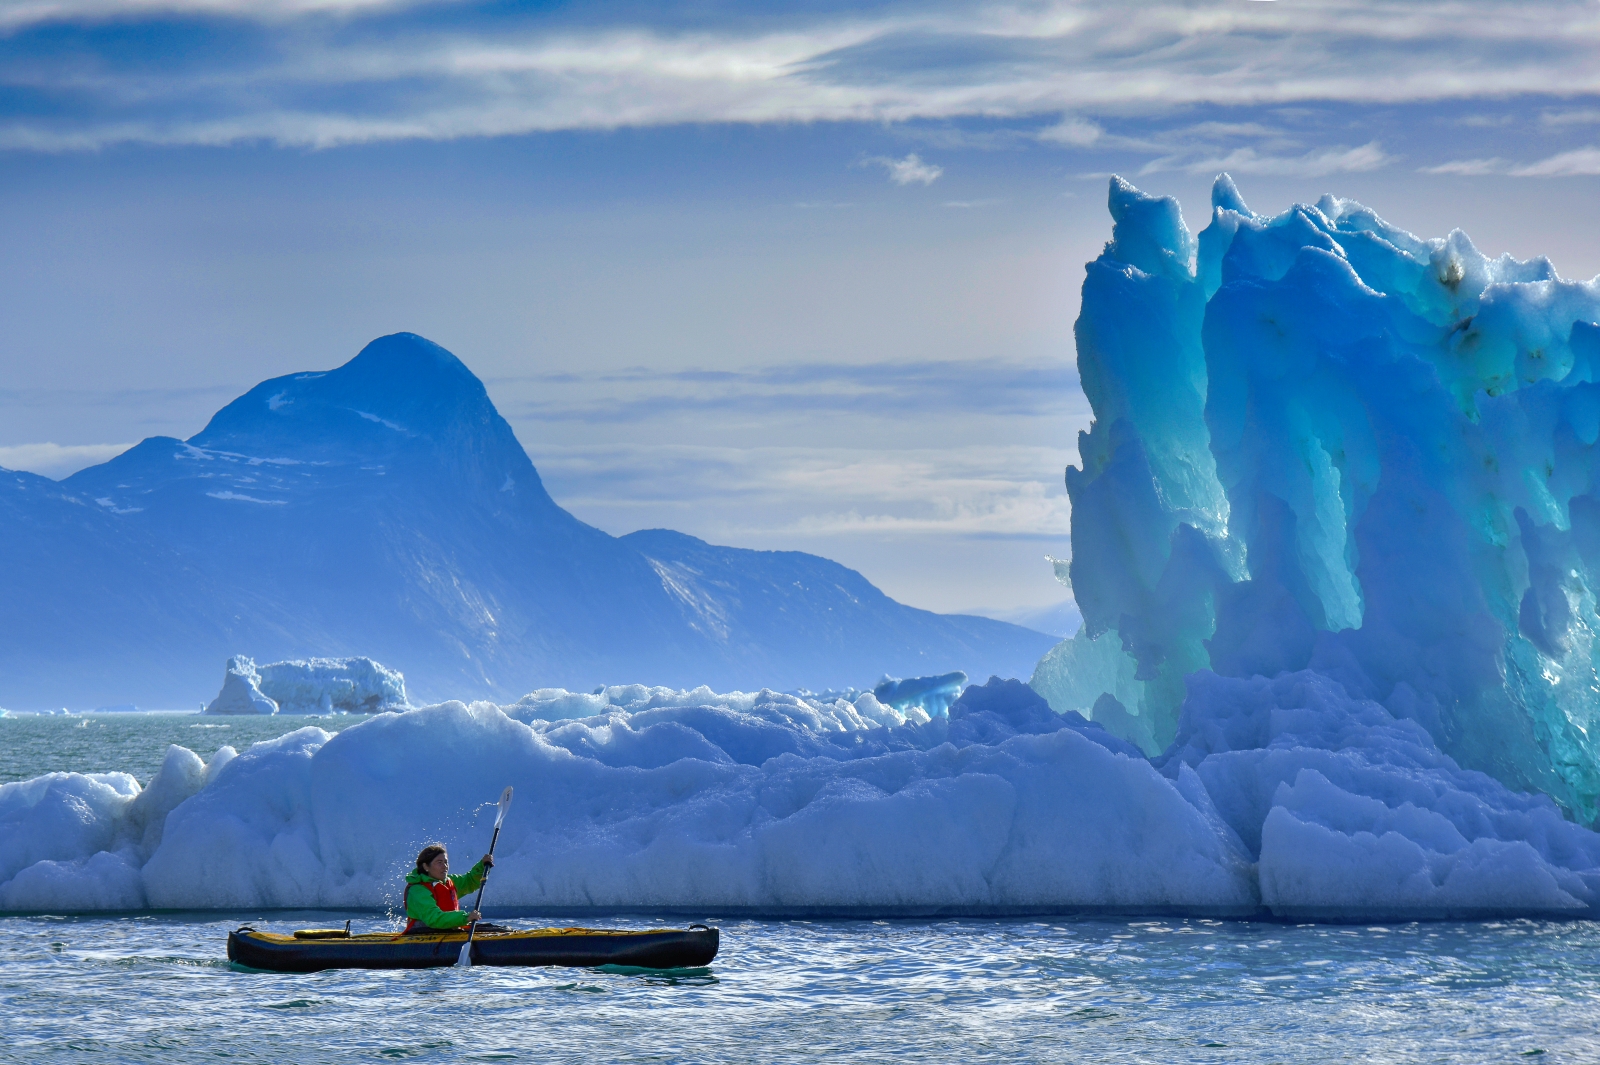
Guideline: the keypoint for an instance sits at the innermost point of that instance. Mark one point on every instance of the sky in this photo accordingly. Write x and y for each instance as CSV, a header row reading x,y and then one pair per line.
x,y
780,276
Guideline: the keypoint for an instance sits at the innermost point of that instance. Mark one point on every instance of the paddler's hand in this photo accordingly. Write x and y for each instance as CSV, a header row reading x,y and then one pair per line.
x,y
474,917
488,861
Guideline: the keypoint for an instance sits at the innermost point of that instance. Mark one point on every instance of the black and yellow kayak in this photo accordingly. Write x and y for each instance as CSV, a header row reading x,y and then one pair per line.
x,y
312,950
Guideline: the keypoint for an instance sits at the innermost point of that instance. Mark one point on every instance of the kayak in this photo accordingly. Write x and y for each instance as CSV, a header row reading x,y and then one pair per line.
x,y
314,949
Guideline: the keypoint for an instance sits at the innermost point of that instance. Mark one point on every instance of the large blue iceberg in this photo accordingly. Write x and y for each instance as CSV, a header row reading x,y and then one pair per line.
x,y
1322,444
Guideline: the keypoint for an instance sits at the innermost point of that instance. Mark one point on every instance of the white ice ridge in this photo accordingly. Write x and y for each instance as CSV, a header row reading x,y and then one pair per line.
x,y
1321,443
317,686
892,702
1282,796
830,712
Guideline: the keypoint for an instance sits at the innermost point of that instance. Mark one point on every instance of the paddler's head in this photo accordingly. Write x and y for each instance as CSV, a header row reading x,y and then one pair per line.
x,y
433,861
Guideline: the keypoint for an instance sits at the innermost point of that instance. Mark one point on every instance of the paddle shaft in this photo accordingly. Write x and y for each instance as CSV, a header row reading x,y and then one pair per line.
x,y
481,885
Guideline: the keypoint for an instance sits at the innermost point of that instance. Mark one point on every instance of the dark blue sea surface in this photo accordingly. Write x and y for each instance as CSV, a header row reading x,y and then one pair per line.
x,y
158,988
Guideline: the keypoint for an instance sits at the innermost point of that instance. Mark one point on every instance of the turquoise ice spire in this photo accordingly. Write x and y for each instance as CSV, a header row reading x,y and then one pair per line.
x,y
1321,442
1147,489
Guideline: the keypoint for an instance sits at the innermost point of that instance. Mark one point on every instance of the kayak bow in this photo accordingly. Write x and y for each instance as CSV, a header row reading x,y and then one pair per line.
x,y
319,949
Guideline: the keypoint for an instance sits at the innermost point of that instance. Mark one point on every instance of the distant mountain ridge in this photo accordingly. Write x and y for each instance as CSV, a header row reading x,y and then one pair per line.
x,y
385,508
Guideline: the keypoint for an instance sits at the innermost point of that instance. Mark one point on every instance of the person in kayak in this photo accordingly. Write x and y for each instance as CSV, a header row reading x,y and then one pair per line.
x,y
433,896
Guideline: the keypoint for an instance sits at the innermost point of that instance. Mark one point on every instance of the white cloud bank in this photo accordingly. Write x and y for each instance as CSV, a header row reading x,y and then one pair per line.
x,y
766,494
21,13
55,460
326,82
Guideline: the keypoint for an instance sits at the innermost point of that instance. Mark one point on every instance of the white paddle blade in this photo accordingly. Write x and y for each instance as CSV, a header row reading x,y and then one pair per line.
x,y
505,804
465,961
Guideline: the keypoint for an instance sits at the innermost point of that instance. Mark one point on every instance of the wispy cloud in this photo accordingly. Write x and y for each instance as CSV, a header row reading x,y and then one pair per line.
x,y
883,466
883,390
1075,132
326,72
1580,116
1247,160
765,495
1580,162
980,517
1469,167
908,171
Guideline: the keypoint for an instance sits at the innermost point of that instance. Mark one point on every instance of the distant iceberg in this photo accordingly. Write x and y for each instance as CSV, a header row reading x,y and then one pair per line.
x,y
931,695
317,686
241,691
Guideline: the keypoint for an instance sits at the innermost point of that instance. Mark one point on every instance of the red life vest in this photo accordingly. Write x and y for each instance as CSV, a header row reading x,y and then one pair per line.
x,y
444,893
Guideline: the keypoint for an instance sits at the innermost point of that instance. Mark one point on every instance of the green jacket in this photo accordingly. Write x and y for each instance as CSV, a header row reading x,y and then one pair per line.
x,y
421,906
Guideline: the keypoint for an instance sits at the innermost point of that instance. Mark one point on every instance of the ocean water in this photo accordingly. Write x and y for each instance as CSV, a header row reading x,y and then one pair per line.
x,y
32,744
158,987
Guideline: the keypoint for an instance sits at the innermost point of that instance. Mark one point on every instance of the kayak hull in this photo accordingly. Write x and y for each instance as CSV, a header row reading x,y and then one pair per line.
x,y
667,948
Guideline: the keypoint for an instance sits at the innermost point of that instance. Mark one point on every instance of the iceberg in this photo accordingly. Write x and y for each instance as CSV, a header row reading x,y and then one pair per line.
x,y
1280,796
317,686
766,803
1323,444
78,841
931,695
241,691
1351,812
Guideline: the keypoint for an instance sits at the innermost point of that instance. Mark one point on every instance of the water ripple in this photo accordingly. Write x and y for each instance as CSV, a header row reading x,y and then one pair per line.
x,y
157,989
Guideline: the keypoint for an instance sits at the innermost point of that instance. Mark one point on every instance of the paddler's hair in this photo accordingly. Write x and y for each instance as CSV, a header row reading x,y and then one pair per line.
x,y
427,855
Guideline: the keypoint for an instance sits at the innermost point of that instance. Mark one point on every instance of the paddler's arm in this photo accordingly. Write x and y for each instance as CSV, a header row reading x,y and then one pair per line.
x,y
469,881
421,905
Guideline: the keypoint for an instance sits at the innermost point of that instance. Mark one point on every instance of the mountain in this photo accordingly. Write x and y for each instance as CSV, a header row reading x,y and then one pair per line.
x,y
386,509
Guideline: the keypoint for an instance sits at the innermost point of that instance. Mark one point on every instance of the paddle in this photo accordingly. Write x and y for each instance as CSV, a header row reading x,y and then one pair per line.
x,y
466,948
